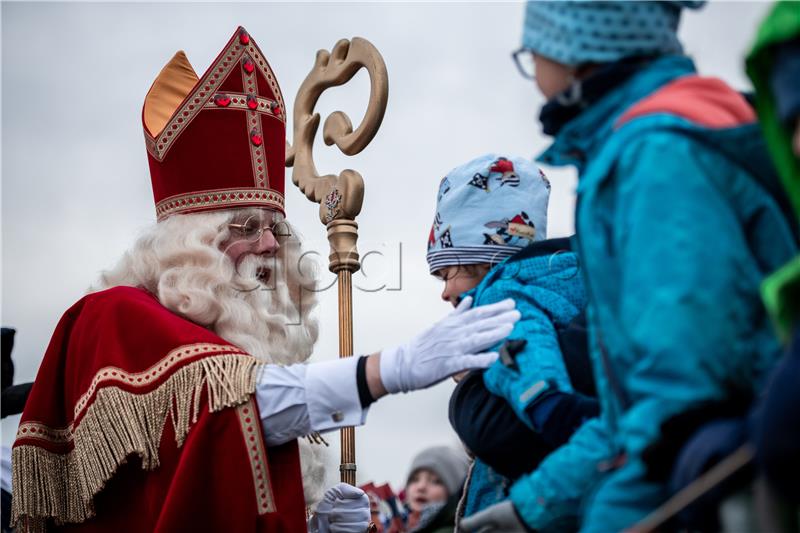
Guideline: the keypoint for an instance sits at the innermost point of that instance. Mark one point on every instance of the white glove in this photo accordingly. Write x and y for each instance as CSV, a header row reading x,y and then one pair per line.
x,y
498,518
343,509
451,345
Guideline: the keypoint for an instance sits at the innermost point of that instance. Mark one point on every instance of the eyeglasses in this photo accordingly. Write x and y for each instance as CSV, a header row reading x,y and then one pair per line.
x,y
523,59
252,230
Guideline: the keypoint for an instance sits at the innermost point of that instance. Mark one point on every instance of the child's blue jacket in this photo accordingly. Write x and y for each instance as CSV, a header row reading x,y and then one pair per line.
x,y
548,292
543,280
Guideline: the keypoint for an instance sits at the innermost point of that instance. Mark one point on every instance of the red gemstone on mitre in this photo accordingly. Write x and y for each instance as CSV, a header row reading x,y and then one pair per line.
x,y
252,102
244,38
248,65
256,138
222,100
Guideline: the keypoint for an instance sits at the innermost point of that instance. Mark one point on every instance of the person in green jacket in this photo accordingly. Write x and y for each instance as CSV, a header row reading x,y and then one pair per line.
x,y
774,68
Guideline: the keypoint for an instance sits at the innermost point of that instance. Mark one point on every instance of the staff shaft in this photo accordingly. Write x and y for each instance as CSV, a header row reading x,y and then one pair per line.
x,y
348,434
339,197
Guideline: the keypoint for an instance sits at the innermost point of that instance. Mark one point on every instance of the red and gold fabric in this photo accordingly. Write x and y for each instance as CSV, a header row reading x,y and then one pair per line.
x,y
217,141
140,420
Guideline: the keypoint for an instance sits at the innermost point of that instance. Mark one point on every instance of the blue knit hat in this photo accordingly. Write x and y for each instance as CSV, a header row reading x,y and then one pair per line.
x,y
573,32
487,210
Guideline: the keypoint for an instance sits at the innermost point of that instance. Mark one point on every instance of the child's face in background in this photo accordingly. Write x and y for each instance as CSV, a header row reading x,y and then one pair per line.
x,y
459,279
423,489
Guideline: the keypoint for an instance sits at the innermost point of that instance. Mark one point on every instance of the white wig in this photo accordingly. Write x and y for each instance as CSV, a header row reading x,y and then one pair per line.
x,y
179,260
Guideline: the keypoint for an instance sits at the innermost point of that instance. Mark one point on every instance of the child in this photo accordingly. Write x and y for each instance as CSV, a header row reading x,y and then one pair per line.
x,y
433,487
488,241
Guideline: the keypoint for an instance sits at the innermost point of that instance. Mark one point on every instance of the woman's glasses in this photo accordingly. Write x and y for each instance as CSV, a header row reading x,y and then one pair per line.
x,y
523,59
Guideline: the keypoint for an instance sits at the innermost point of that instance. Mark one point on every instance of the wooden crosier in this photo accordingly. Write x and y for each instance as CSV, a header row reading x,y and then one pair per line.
x,y
339,197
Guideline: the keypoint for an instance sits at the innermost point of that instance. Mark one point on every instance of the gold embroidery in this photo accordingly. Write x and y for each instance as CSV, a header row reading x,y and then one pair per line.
x,y
37,430
117,424
152,374
257,157
40,431
214,198
239,101
205,90
257,456
266,71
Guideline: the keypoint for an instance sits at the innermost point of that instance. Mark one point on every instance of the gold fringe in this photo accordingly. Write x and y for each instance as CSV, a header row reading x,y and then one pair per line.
x,y
117,425
316,438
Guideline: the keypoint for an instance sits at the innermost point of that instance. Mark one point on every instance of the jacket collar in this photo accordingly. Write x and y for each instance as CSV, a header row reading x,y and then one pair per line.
x,y
579,139
540,248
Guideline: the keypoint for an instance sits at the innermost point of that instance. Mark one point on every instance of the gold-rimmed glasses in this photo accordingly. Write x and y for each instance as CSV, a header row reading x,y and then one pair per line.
x,y
252,230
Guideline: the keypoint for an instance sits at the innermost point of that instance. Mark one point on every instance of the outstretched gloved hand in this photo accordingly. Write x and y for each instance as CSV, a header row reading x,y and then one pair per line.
x,y
455,343
501,517
343,509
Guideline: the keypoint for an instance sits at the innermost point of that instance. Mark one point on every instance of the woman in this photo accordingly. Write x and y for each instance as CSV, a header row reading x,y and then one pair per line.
x,y
677,224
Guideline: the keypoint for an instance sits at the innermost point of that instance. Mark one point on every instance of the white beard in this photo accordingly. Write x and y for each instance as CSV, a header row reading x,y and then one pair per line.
x,y
254,329
267,318
316,462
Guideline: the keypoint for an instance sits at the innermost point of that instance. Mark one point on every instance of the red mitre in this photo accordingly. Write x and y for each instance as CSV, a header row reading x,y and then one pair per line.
x,y
219,141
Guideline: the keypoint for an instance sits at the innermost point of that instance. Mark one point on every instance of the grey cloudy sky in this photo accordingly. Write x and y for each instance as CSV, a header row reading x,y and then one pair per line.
x,y
76,187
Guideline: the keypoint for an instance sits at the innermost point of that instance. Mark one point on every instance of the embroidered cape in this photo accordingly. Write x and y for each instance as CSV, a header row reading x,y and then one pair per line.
x,y
140,420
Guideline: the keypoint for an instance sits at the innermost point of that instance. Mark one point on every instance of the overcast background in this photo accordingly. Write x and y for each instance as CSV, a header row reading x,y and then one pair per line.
x,y
76,188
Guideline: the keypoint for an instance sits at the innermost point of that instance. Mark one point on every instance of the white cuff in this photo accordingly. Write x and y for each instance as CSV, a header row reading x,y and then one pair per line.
x,y
390,370
332,395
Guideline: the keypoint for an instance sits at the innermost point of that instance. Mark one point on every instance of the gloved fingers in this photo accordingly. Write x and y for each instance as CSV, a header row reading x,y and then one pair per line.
x,y
339,492
464,305
356,527
459,363
330,496
485,311
481,340
325,505
347,491
352,504
507,317
480,522
350,521
350,516
498,517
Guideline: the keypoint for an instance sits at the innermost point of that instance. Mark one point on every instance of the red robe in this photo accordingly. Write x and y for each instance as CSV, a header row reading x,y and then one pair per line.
x,y
140,420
